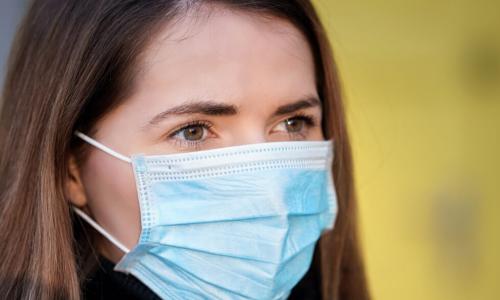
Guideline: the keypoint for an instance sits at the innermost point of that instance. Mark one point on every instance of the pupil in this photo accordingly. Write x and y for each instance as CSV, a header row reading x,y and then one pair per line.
x,y
193,133
293,125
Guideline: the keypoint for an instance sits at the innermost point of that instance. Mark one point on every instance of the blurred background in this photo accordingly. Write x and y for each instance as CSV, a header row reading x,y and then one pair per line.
x,y
422,90
422,87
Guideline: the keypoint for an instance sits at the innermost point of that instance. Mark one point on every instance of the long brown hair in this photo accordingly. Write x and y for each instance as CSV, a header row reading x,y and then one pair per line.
x,y
71,63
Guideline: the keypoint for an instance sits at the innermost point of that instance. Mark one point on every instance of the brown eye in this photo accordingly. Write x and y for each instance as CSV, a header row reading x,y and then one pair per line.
x,y
193,133
294,125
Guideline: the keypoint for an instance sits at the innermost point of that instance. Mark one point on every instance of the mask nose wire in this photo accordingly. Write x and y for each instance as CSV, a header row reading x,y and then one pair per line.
x,y
83,215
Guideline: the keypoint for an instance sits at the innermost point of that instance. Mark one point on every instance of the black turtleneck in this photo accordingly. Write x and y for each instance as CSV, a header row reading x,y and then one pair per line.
x,y
104,283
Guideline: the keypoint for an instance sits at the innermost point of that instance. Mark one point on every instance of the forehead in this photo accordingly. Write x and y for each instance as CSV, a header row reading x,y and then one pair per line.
x,y
226,54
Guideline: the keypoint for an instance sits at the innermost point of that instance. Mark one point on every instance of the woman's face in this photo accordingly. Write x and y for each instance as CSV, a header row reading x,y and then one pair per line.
x,y
225,80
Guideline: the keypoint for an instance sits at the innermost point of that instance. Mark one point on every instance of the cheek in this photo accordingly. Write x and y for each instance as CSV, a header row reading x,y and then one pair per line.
x,y
112,196
317,133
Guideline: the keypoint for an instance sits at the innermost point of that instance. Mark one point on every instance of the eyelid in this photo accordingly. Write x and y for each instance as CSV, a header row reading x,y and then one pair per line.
x,y
203,123
310,119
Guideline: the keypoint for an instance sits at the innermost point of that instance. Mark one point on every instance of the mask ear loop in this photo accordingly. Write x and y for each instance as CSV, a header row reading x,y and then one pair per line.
x,y
101,230
83,215
102,147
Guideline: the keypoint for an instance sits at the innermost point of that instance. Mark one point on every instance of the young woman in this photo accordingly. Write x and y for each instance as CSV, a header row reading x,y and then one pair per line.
x,y
175,149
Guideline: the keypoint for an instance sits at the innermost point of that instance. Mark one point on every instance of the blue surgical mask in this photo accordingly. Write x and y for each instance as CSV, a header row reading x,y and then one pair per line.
x,y
238,222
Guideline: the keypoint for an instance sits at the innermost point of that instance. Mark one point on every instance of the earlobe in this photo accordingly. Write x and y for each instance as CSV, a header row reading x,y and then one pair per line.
x,y
73,186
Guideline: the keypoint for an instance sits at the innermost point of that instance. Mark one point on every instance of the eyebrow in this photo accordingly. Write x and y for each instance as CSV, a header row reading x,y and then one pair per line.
x,y
307,102
199,107
212,108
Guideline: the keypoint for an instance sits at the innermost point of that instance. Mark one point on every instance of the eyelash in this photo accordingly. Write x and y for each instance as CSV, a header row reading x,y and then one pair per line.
x,y
185,143
308,119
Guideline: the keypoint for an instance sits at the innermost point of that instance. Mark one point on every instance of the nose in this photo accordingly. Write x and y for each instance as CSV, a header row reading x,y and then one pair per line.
x,y
248,132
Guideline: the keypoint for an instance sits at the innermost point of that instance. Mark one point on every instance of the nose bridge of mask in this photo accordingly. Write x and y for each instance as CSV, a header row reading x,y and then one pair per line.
x,y
83,215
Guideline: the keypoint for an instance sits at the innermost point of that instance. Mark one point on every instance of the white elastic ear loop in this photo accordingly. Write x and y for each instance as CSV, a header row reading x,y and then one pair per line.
x,y
102,147
101,230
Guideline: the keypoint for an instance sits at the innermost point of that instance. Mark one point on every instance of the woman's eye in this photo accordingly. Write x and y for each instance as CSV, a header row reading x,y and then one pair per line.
x,y
296,125
194,134
191,134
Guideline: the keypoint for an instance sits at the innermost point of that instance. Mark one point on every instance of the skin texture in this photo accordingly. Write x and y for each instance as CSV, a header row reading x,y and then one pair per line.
x,y
253,63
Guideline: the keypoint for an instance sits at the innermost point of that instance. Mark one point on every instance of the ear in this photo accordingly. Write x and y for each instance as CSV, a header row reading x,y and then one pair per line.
x,y
73,186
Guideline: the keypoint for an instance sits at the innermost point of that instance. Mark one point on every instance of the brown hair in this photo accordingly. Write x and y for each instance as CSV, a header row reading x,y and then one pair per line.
x,y
72,62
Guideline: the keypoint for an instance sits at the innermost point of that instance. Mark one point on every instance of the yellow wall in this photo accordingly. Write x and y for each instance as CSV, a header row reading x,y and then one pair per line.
x,y
422,87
